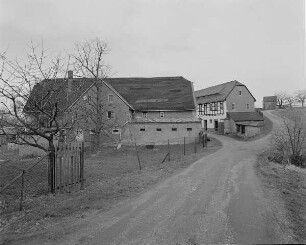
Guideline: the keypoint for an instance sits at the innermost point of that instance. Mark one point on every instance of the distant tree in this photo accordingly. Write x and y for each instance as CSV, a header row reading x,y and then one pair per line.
x,y
89,61
300,96
281,98
33,117
289,100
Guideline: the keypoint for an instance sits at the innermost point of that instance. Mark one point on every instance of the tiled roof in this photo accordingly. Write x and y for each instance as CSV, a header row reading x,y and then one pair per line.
x,y
156,93
270,99
216,93
166,120
56,90
244,116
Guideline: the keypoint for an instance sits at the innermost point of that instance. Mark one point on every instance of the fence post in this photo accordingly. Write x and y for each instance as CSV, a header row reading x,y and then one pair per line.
x,y
184,147
139,163
195,145
22,191
82,166
51,175
169,150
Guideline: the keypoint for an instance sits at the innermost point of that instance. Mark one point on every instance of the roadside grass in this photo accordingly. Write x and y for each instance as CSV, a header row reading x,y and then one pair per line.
x,y
264,131
111,176
289,183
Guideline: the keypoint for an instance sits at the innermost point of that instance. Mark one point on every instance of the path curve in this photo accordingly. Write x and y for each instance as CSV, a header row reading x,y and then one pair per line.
x,y
218,199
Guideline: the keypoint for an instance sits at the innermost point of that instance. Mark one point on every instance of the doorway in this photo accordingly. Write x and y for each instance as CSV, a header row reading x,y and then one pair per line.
x,y
216,125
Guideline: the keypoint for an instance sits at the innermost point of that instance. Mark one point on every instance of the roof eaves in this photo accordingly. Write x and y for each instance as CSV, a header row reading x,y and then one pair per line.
x,y
119,95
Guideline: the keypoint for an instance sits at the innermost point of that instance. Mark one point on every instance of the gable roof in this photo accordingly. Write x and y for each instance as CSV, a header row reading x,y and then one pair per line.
x,y
270,99
218,92
158,93
48,91
244,116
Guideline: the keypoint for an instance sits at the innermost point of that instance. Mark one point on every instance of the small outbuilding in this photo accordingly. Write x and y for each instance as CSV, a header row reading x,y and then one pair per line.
x,y
269,103
245,124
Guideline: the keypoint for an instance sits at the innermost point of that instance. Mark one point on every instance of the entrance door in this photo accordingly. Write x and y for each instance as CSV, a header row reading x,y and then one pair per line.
x,y
216,125
205,125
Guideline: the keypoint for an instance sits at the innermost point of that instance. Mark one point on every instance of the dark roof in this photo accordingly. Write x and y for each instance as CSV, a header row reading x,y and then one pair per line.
x,y
156,93
56,90
244,116
270,99
217,93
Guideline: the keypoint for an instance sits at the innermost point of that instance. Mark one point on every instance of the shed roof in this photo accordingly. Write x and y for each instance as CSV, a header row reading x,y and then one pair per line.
x,y
244,116
217,93
270,99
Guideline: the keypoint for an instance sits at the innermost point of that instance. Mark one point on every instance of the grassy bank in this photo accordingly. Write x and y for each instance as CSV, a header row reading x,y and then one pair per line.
x,y
289,184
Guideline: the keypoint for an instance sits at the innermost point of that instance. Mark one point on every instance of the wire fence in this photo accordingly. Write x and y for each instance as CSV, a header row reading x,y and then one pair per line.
x,y
21,181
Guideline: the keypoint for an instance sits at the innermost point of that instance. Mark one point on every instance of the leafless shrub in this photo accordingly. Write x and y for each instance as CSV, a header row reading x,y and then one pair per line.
x,y
289,139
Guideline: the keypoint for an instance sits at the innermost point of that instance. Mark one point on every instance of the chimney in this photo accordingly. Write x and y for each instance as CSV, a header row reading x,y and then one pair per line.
x,y
70,81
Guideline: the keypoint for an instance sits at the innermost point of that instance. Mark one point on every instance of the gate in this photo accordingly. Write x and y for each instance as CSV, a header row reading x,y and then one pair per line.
x,y
66,168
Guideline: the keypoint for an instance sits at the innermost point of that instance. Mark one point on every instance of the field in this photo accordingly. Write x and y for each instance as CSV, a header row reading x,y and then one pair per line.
x,y
111,175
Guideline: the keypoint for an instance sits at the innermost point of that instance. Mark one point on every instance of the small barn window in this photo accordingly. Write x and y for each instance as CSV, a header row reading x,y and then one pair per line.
x,y
189,129
158,129
110,115
174,129
144,115
89,99
142,129
210,120
240,92
233,106
162,114
110,98
116,131
247,106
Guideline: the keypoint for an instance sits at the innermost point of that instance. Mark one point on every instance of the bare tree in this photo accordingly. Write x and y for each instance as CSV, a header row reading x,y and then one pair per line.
x,y
300,96
31,97
281,98
89,62
289,100
289,139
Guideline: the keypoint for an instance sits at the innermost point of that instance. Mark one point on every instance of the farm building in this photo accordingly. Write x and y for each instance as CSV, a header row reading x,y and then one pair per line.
x,y
214,103
144,110
246,124
269,103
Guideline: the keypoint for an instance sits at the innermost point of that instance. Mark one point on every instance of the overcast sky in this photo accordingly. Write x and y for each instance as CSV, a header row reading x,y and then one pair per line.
x,y
260,43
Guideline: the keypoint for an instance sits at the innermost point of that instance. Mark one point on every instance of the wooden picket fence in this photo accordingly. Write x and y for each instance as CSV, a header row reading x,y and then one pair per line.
x,y
66,168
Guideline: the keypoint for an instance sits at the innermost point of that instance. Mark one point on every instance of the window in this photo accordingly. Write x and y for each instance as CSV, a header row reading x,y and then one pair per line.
x,y
162,114
142,129
144,115
247,106
174,129
240,92
89,98
158,129
116,131
110,98
189,129
110,115
233,106
205,109
201,109
221,107
210,121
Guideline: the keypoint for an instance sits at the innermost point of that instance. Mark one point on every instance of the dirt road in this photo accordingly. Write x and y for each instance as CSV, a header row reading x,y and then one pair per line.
x,y
216,200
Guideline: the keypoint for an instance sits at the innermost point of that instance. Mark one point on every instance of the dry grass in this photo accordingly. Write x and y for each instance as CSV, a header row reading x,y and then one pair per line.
x,y
290,184
110,177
